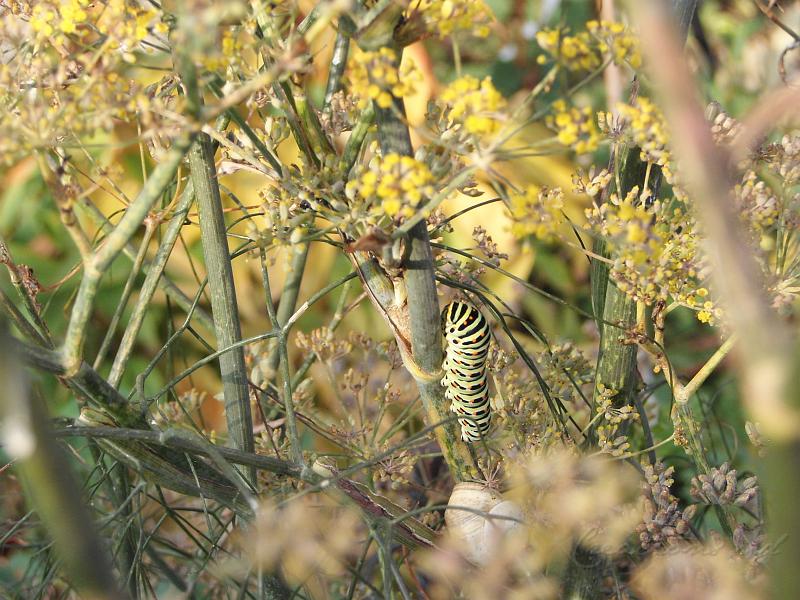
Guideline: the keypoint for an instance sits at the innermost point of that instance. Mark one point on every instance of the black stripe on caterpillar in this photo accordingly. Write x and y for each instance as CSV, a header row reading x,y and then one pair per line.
x,y
466,332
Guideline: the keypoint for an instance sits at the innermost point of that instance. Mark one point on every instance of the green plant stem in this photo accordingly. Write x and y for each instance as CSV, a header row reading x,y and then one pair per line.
x,y
150,228
151,282
616,364
311,125
101,260
684,417
21,321
352,148
86,382
172,469
155,277
283,355
188,443
341,49
283,92
164,468
614,309
289,294
172,291
119,488
224,308
49,485
423,308
258,143
27,299
685,392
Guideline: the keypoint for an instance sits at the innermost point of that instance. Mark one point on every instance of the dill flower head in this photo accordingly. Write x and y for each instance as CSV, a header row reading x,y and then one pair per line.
x,y
476,104
664,523
656,249
393,186
537,212
786,159
124,25
574,52
591,183
447,17
647,129
575,127
374,75
758,206
588,50
616,40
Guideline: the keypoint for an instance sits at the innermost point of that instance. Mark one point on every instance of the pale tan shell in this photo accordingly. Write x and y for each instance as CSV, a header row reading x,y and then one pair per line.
x,y
480,535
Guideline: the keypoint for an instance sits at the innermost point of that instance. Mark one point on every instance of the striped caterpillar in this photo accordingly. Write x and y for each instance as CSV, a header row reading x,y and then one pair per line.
x,y
467,334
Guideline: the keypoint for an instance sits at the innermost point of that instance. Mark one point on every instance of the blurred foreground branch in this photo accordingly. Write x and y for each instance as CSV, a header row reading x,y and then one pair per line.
x,y
767,353
48,481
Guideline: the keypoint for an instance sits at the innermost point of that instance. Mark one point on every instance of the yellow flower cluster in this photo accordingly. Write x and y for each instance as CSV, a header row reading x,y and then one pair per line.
x,y
575,52
647,129
537,212
46,18
629,224
643,125
230,47
616,40
575,127
657,252
446,17
476,104
69,101
392,185
124,24
758,206
587,50
591,183
375,76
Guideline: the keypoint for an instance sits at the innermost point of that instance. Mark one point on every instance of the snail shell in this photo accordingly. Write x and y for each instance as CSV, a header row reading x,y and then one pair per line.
x,y
480,533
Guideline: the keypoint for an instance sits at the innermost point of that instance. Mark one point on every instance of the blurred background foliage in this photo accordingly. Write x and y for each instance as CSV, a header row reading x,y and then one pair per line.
x,y
734,60
734,50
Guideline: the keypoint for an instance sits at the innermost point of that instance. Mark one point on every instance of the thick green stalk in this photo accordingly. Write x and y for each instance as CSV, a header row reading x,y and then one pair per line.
x,y
423,308
224,308
49,485
155,277
172,469
616,361
86,382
